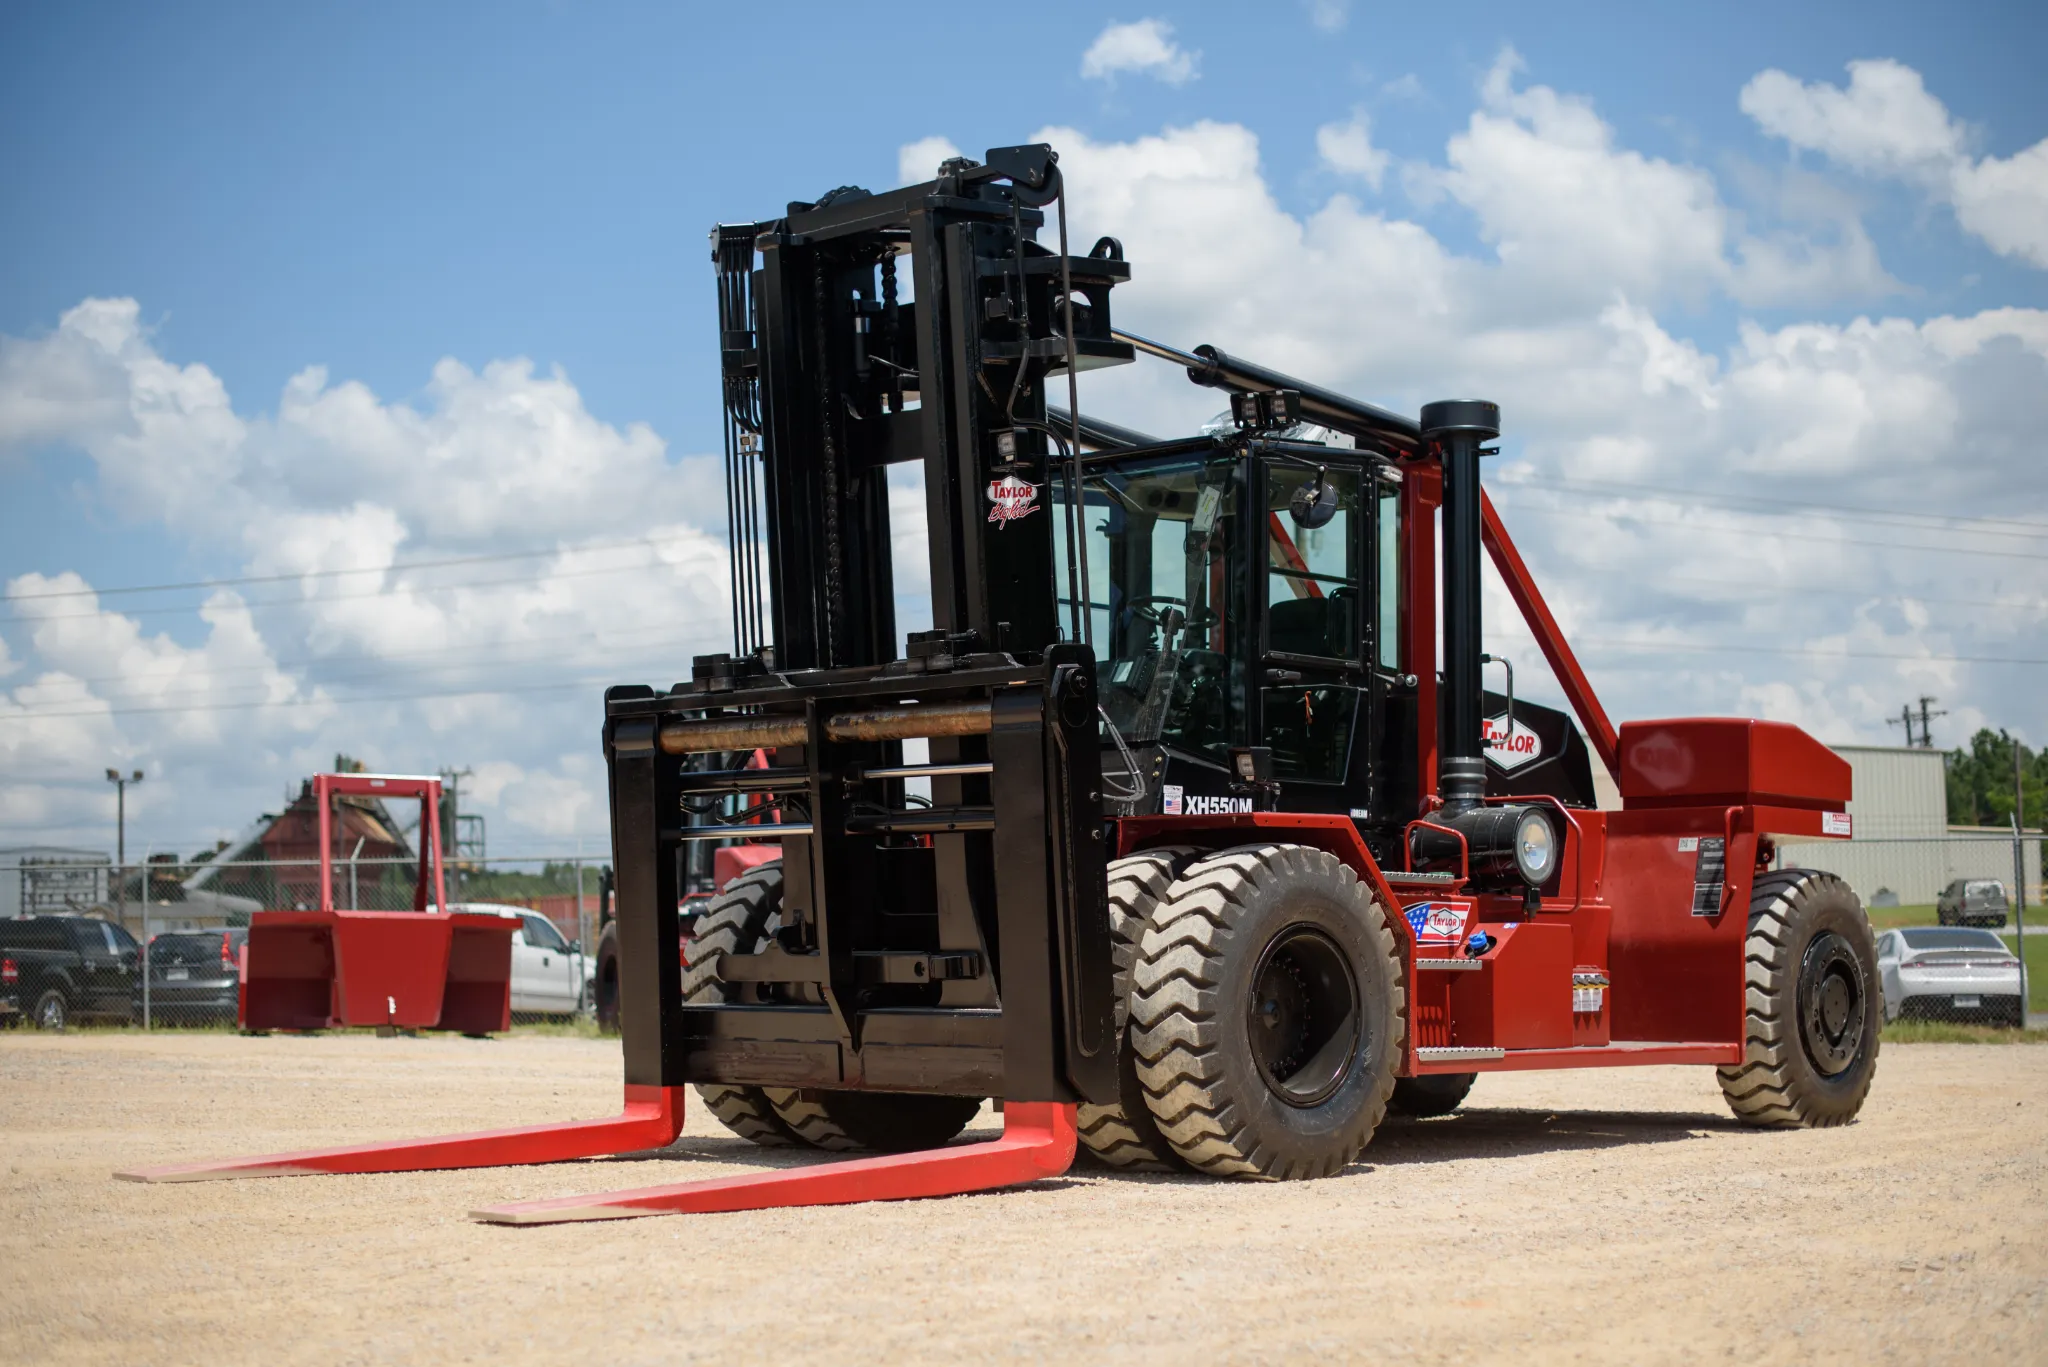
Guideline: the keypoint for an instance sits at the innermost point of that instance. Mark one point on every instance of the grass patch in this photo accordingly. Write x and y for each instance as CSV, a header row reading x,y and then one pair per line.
x,y
1940,1032
1891,918
2037,969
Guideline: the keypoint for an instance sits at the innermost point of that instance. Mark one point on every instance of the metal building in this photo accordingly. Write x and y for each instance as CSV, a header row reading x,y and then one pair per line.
x,y
1903,845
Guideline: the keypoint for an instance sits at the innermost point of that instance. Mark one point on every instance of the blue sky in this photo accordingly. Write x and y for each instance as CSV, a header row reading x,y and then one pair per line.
x,y
374,188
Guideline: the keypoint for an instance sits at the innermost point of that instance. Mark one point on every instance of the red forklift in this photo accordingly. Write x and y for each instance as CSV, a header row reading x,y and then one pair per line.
x,y
1203,855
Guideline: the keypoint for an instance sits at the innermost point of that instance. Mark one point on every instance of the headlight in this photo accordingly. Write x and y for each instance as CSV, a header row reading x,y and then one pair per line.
x,y
1535,846
1506,845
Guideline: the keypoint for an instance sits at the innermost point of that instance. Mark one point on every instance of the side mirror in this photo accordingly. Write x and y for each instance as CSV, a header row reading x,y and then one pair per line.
x,y
1314,503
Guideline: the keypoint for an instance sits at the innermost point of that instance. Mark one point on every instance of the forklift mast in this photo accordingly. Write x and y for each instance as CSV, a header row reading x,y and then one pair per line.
x,y
831,375
960,946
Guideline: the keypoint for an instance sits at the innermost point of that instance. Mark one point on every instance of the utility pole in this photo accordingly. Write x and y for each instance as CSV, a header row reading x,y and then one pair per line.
x,y
121,782
1926,733
2019,873
1905,719
451,825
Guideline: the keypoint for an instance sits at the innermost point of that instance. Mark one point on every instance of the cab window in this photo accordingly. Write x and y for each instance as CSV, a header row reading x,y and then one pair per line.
x,y
1313,572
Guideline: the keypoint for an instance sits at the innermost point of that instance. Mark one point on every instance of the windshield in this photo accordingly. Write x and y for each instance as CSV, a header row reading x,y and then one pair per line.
x,y
1991,890
1158,533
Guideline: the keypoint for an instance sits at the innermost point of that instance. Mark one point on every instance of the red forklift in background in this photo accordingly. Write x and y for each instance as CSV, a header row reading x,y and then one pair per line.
x,y
1209,855
423,969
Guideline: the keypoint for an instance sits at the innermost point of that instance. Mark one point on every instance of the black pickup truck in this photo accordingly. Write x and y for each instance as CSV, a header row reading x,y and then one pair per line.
x,y
57,969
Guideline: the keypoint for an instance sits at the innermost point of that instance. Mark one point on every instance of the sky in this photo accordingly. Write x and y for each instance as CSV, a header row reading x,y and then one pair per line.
x,y
358,380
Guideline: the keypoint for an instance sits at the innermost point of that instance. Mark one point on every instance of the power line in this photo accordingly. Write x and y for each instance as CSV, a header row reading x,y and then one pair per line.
x,y
1609,519
265,604
485,652
394,568
310,702
1808,653
1786,507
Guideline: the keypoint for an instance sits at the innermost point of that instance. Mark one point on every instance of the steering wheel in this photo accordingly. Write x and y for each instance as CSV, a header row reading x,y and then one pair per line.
x,y
1146,607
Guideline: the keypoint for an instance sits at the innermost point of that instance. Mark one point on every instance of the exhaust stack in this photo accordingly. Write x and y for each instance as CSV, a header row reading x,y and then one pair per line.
x,y
1459,428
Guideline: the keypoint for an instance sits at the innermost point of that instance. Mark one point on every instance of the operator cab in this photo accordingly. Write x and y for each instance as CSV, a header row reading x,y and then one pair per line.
x,y
1244,590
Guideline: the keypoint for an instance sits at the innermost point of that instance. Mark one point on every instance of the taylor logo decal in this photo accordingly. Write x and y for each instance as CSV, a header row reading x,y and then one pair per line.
x,y
1437,922
1511,749
1011,498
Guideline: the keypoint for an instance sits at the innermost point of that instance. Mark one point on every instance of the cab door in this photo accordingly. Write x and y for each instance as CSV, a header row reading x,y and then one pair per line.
x,y
551,985
1313,694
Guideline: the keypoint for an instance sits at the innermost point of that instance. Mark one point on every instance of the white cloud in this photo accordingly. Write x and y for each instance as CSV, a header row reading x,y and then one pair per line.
x,y
1887,123
488,657
1146,46
1347,149
1597,389
918,162
1328,16
2005,202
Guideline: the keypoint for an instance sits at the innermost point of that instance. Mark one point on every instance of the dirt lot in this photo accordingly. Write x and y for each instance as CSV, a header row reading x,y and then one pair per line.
x,y
1614,1216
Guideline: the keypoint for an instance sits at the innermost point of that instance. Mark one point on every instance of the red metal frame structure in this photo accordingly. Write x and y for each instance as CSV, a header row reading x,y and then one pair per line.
x,y
326,787
1550,637
424,969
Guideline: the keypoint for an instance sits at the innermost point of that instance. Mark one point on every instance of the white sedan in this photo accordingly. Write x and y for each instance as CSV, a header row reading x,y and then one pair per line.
x,y
549,975
1949,973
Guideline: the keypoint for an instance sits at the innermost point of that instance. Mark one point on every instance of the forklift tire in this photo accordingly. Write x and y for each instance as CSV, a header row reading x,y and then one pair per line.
x,y
736,919
1432,1095
892,1122
1268,1013
1814,1008
1125,1135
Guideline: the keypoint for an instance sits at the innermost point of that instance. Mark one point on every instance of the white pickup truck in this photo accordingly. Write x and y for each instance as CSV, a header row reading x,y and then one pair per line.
x,y
550,976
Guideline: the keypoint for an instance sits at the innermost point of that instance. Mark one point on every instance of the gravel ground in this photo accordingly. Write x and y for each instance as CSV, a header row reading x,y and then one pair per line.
x,y
1564,1217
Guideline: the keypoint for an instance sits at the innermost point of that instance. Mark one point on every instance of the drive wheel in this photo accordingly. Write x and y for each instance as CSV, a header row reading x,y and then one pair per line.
x,y
1431,1095
735,921
893,1122
1125,1135
1268,1012
1814,1009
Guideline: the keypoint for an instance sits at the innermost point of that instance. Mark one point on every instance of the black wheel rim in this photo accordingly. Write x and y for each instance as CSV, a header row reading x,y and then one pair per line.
x,y
1831,1004
1303,1016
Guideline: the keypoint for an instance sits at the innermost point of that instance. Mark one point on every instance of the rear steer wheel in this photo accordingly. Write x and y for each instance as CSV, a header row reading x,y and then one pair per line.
x,y
1814,1006
1269,1012
1125,1135
1431,1095
736,920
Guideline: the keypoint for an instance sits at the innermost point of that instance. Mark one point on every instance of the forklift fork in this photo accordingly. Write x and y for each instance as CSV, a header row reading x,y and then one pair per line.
x,y
1038,1142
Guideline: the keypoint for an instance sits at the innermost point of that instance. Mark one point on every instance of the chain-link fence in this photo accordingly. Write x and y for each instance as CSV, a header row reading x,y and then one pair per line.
x,y
159,944
1960,930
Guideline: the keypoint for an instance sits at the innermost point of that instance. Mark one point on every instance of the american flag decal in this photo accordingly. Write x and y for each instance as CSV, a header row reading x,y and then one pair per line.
x,y
1436,922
